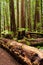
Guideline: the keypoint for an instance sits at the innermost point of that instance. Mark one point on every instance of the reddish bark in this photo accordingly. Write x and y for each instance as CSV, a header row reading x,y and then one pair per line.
x,y
26,55
22,14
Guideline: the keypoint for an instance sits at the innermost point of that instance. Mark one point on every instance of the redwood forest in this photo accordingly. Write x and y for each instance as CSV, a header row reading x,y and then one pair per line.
x,y
21,32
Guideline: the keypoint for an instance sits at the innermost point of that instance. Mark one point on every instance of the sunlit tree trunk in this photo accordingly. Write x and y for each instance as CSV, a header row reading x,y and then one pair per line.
x,y
7,15
37,15
22,14
26,13
6,12
12,16
4,15
0,19
29,15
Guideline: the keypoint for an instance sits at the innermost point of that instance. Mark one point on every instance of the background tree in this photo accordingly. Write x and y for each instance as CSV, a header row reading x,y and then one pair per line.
x,y
42,13
29,15
17,13
0,18
12,16
37,15
22,14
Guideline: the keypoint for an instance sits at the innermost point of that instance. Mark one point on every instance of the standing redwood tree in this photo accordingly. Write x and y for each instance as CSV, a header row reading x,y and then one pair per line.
x,y
12,16
42,13
29,15
0,19
22,14
17,13
37,15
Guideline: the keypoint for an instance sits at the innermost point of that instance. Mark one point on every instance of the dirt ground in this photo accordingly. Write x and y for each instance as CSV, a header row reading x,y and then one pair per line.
x,y
6,58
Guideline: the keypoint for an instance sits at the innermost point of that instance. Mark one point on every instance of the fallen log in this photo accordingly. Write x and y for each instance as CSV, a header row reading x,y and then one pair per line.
x,y
26,55
34,34
35,42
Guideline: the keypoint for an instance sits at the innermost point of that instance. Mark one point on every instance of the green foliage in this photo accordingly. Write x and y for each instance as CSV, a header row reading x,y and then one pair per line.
x,y
24,42
7,1
23,29
6,32
40,47
27,43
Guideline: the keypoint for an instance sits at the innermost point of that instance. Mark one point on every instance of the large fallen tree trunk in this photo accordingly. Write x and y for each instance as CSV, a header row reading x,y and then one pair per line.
x,y
26,55
34,34
35,42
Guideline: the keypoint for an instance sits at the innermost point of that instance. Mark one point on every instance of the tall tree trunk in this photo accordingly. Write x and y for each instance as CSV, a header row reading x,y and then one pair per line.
x,y
3,13
17,13
0,19
12,16
6,12
29,15
37,15
22,14
42,13
40,17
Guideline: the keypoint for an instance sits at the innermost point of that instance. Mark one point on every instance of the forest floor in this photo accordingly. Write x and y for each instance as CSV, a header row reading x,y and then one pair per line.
x,y
6,58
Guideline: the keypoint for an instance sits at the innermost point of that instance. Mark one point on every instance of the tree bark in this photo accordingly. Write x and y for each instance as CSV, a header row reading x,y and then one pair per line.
x,y
17,13
12,16
26,55
0,19
37,16
22,14
36,42
29,15
42,13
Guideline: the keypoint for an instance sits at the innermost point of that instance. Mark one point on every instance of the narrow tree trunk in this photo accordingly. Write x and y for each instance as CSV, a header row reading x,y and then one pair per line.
x,y
4,17
17,13
0,19
42,13
6,12
4,22
12,16
37,16
22,14
29,15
